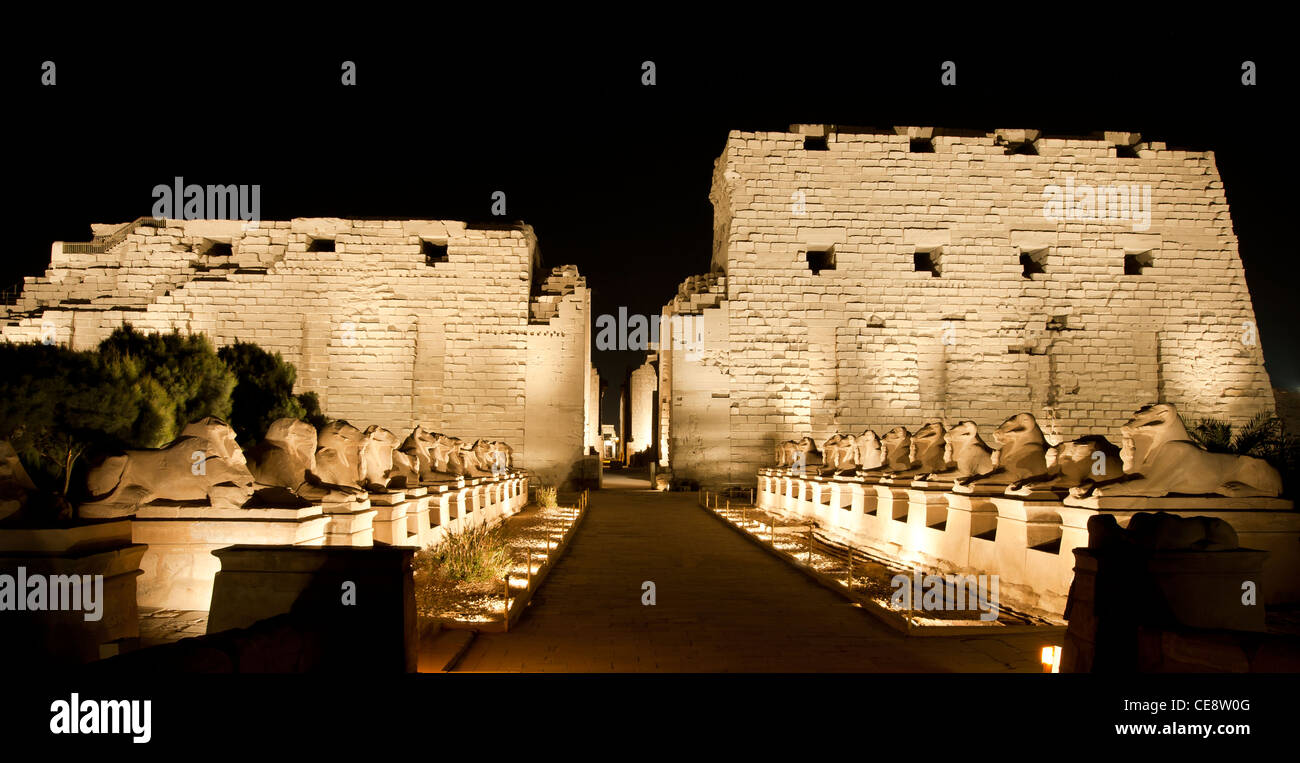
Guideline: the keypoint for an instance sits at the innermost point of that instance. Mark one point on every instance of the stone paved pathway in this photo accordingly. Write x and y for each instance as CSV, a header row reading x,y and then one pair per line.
x,y
164,626
723,605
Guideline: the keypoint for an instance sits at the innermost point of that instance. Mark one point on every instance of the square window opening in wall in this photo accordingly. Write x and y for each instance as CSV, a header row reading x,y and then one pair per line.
x,y
927,261
434,251
1026,148
920,146
819,259
213,248
815,143
1135,264
1126,152
1033,262
320,244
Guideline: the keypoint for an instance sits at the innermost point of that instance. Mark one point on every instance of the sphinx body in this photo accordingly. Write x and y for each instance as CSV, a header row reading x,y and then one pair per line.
x,y
417,450
338,454
1084,462
1165,460
1162,531
286,458
479,459
203,463
896,452
799,455
1022,457
1020,461
840,453
868,451
376,454
974,458
930,450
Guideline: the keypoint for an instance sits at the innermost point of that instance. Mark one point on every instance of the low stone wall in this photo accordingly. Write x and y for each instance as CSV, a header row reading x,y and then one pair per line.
x,y
178,567
1028,542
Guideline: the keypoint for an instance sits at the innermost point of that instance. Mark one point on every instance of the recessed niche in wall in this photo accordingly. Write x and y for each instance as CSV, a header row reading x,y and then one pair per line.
x,y
1033,262
320,244
815,143
1126,152
1026,148
1134,264
927,261
211,248
434,251
820,259
921,146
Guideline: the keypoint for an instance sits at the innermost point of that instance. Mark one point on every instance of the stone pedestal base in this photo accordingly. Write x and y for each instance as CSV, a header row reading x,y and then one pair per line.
x,y
178,568
350,523
363,599
42,640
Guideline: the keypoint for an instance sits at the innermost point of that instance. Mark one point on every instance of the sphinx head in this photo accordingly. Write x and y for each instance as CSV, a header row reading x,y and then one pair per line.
x,y
1019,429
1150,427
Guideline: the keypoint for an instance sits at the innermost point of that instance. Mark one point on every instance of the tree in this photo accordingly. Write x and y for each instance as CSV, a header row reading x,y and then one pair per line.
x,y
179,377
57,403
264,391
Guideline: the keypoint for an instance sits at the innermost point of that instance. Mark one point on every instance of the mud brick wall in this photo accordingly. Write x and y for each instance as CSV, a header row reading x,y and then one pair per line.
x,y
875,342
391,322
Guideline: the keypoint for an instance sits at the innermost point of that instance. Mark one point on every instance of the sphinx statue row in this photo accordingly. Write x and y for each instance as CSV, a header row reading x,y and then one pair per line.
x,y
293,465
1157,458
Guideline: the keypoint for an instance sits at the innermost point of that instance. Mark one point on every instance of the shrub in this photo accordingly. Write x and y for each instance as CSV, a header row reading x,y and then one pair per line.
x,y
1264,436
547,496
476,555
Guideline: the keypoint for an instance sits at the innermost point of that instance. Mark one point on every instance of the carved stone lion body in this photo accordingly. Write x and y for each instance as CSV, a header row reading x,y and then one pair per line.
x,y
973,456
799,454
897,445
479,459
1165,460
1023,455
930,448
840,453
338,453
377,472
203,463
286,458
869,453
1081,463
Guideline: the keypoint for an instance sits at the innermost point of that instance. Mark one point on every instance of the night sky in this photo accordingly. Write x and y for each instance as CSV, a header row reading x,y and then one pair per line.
x,y
613,176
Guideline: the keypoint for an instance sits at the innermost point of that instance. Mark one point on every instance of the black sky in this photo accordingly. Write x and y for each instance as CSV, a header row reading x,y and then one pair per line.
x,y
614,176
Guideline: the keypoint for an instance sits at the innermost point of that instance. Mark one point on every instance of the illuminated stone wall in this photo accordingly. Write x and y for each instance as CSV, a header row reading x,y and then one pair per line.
x,y
643,398
391,322
1032,307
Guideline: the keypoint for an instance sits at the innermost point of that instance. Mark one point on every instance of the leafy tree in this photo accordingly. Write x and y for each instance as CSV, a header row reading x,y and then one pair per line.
x,y
179,377
55,404
264,391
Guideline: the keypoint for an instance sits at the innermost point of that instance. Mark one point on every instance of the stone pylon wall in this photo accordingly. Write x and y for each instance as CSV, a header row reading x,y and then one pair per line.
x,y
392,322
876,343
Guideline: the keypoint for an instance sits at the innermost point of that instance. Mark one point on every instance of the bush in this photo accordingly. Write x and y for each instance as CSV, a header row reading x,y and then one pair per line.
x,y
547,496
1264,436
476,555
264,392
